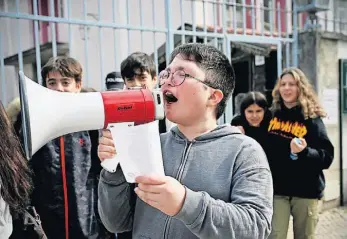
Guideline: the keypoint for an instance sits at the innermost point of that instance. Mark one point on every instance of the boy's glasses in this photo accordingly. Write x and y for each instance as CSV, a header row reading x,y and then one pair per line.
x,y
178,78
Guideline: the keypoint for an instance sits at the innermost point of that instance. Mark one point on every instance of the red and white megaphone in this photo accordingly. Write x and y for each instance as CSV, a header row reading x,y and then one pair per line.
x,y
48,114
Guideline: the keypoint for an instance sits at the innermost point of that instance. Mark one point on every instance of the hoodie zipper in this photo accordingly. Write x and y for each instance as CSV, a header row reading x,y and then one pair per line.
x,y
179,178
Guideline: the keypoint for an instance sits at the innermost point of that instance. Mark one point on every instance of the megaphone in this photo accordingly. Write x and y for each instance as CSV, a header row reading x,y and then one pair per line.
x,y
48,114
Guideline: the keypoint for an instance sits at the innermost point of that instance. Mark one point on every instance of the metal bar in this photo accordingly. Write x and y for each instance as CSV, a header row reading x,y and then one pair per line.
x,y
234,17
141,23
279,23
54,37
279,58
262,22
244,19
183,37
101,53
334,25
25,16
224,27
326,21
228,115
295,35
243,38
128,23
287,36
20,53
37,45
2,72
253,17
114,35
215,41
194,18
70,30
204,19
271,9
86,42
170,32
259,39
287,54
155,41
287,13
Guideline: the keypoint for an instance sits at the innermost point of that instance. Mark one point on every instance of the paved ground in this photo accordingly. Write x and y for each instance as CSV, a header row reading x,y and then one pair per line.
x,y
332,224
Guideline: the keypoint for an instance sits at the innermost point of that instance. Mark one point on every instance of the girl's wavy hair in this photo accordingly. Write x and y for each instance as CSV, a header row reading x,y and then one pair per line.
x,y
307,99
15,174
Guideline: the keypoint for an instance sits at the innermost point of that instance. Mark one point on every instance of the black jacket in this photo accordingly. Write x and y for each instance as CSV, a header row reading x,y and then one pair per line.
x,y
260,133
302,177
82,174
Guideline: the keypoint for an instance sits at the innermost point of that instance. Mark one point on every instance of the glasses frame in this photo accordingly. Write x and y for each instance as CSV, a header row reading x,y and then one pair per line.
x,y
171,77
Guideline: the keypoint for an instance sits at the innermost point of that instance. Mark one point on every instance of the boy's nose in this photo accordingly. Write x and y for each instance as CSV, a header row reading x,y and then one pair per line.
x,y
59,88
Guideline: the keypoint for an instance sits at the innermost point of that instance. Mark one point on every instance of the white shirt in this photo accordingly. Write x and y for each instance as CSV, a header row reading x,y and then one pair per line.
x,y
5,219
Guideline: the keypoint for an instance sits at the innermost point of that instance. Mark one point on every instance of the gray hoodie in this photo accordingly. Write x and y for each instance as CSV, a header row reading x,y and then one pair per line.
x,y
228,190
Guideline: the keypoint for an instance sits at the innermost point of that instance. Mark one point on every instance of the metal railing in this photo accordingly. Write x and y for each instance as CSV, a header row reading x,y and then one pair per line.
x,y
100,34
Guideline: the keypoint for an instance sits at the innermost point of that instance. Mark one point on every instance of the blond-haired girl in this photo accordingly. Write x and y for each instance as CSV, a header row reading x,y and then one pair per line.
x,y
300,150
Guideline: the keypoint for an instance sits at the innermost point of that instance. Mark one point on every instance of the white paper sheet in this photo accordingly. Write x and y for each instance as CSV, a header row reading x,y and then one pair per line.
x,y
138,149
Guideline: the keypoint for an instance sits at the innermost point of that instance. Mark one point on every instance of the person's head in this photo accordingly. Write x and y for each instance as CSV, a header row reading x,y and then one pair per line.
x,y
293,88
254,108
15,176
62,74
114,81
138,70
196,84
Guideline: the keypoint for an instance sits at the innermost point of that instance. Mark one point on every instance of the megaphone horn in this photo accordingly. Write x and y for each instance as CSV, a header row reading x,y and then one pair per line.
x,y
48,114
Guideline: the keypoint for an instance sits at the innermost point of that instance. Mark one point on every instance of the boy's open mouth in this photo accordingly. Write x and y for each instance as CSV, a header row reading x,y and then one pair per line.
x,y
169,97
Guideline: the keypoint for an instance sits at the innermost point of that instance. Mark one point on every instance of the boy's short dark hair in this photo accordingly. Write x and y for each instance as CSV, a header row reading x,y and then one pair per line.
x,y
135,61
218,69
66,66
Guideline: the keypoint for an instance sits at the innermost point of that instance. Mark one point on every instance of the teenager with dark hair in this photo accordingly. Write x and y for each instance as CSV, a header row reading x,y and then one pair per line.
x,y
66,170
217,184
254,117
138,70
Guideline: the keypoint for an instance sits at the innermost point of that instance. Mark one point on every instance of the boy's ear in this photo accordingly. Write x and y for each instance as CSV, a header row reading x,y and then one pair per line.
x,y
216,97
79,85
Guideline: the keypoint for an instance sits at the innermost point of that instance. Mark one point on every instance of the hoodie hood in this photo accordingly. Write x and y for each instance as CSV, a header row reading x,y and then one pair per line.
x,y
13,109
218,132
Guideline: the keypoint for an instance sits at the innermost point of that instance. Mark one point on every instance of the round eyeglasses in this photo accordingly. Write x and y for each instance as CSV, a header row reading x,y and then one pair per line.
x,y
178,78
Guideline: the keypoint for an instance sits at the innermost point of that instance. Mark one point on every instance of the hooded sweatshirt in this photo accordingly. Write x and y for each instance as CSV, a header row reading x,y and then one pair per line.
x,y
302,177
228,190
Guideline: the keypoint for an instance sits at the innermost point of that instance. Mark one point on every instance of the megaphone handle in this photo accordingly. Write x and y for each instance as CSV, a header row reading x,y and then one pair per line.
x,y
110,164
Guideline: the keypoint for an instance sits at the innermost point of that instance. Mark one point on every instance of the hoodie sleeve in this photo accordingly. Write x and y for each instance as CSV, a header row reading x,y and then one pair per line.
x,y
249,213
116,202
320,150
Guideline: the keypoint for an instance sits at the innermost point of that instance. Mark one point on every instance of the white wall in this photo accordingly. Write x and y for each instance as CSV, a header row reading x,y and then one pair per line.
x,y
10,29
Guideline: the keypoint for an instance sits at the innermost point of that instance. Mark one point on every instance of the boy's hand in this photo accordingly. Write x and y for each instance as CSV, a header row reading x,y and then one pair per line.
x,y
161,192
106,148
